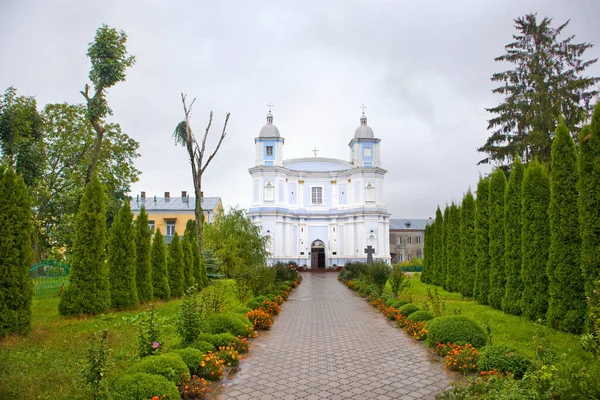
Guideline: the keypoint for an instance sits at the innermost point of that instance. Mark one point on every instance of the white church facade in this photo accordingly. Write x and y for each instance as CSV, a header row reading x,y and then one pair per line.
x,y
320,212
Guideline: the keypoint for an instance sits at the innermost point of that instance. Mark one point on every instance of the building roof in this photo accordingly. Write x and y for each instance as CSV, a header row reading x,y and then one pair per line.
x,y
409,224
363,131
174,203
269,130
316,164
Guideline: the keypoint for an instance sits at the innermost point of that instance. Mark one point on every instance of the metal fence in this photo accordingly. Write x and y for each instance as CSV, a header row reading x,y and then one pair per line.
x,y
49,276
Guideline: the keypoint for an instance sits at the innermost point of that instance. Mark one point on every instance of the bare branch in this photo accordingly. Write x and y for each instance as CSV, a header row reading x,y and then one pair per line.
x,y
201,156
223,134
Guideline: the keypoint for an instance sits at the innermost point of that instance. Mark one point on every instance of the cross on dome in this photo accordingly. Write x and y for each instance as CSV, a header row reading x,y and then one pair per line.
x,y
270,105
315,151
363,108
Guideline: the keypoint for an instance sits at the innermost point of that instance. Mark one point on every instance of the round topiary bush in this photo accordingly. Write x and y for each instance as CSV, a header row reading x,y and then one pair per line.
x,y
140,386
202,345
456,329
408,309
255,302
504,359
191,357
421,315
236,324
397,304
216,339
171,366
241,310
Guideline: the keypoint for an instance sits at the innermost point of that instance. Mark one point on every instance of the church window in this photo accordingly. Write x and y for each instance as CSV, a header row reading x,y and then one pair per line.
x,y
317,195
269,189
370,192
269,150
170,230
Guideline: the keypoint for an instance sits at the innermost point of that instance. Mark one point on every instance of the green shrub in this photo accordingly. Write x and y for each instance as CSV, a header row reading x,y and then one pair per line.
x,y
203,346
236,324
398,280
285,272
419,316
220,296
456,329
175,267
191,357
190,321
216,339
255,302
397,303
241,310
504,359
160,274
354,270
408,309
140,386
171,366
377,274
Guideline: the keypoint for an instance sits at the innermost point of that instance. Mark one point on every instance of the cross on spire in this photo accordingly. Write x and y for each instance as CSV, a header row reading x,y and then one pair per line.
x,y
270,105
315,151
363,108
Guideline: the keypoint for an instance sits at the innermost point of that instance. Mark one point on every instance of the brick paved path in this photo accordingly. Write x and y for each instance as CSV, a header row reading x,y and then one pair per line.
x,y
328,343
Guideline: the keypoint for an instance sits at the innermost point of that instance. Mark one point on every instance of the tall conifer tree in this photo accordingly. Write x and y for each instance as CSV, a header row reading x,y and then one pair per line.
x,y
438,245
88,291
482,241
143,273
176,268
445,242
160,272
511,303
567,303
16,255
497,245
535,239
427,250
468,254
188,261
453,255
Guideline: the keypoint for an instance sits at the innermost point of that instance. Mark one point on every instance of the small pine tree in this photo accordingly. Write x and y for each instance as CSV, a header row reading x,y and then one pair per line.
x,y
566,304
497,245
513,226
16,256
160,274
143,273
481,288
453,253
122,260
535,240
175,266
468,255
188,262
88,291
438,245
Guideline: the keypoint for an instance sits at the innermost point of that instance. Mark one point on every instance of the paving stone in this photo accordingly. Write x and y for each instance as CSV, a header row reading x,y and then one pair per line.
x,y
328,343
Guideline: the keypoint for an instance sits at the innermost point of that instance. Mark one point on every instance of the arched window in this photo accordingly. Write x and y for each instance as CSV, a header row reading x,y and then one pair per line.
x,y
269,189
370,193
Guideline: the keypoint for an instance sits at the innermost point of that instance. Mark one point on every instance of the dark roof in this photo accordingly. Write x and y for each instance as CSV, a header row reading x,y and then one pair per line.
x,y
409,224
173,203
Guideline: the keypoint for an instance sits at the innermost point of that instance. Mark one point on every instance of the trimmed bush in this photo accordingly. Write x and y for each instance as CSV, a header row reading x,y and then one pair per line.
x,y
160,274
455,329
408,309
216,339
191,357
175,267
255,302
481,288
202,345
397,303
504,359
497,246
241,310
143,272
236,324
421,315
171,366
140,386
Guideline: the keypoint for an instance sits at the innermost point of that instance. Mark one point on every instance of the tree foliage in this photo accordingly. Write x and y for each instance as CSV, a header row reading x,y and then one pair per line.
x,y
545,83
176,267
453,251
497,243
566,304
438,245
143,271
198,267
188,260
513,226
445,246
428,251
481,289
122,260
16,256
160,272
468,255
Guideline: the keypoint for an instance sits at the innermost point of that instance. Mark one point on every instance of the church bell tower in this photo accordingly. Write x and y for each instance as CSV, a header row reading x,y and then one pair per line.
x,y
269,144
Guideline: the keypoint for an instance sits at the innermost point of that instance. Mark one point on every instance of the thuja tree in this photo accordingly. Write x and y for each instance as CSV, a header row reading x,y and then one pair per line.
x,y
453,252
88,291
566,304
16,288
445,240
438,245
143,271
482,241
497,245
160,275
589,202
511,303
198,267
468,256
427,255
122,260
535,240
175,266
188,275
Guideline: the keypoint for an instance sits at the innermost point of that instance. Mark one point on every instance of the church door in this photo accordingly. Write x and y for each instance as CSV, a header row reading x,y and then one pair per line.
x,y
317,254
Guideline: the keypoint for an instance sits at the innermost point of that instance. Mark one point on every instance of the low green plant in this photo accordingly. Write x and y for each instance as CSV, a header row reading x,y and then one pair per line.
x,y
149,334
434,302
455,329
256,302
216,339
504,359
191,357
203,346
169,365
398,280
408,309
236,324
241,310
97,363
353,270
220,296
421,315
377,274
142,386
285,272
190,320
230,356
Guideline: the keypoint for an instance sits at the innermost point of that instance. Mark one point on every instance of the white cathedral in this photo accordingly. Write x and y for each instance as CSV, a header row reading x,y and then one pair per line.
x,y
320,212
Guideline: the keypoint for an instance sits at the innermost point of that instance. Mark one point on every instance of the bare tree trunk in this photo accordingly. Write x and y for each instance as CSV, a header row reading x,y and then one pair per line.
x,y
95,121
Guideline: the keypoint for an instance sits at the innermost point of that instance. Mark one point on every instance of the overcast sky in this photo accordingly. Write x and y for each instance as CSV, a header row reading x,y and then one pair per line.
x,y
422,68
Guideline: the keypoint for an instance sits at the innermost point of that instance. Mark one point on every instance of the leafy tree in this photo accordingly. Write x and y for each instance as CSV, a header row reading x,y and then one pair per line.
x,y
160,272
535,240
188,261
122,260
16,257
438,245
88,291
497,244
468,255
109,59
143,272
481,289
545,83
453,250
511,303
176,268
566,304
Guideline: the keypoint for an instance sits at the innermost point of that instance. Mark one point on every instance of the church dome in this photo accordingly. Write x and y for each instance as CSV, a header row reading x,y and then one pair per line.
x,y
363,131
269,130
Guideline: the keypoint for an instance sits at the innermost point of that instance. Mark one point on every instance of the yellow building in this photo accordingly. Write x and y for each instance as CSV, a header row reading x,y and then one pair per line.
x,y
170,214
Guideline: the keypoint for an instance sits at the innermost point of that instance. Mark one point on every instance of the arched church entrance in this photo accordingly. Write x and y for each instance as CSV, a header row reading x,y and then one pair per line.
x,y
317,254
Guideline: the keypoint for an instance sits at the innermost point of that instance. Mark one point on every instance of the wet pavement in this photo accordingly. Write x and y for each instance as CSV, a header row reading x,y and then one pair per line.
x,y
328,343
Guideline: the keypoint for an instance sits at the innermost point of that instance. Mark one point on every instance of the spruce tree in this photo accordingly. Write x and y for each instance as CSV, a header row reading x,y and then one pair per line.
x,y
453,252
176,268
481,289
511,303
438,245
589,201
143,272
188,262
160,272
468,255
445,241
122,260
567,303
16,256
497,245
88,291
535,239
